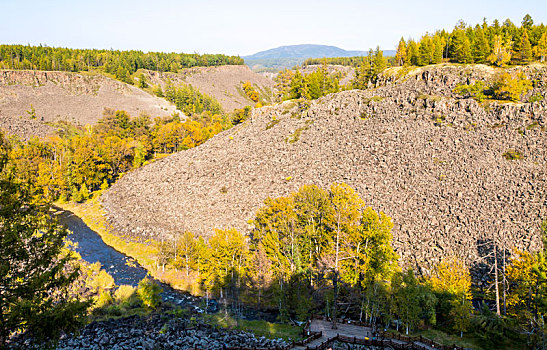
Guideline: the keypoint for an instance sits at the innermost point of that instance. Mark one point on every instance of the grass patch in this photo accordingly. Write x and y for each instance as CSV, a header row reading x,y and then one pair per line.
x,y
440,120
428,97
296,135
532,126
367,101
512,154
450,339
260,328
536,98
496,126
272,123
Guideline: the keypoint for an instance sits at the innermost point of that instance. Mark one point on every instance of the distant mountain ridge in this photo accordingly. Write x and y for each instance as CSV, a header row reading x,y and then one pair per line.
x,y
294,55
303,51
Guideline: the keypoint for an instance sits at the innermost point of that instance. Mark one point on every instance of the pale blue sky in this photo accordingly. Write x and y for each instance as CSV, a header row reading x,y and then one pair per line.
x,y
242,27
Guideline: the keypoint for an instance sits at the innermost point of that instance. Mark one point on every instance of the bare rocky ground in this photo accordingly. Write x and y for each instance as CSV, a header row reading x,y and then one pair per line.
x,y
410,147
78,98
223,83
156,331
25,127
163,331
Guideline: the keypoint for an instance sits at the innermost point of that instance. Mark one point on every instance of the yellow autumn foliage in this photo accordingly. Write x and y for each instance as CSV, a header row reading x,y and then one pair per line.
x,y
452,276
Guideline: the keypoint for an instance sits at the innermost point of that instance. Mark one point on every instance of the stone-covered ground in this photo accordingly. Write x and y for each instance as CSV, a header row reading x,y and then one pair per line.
x,y
410,146
160,331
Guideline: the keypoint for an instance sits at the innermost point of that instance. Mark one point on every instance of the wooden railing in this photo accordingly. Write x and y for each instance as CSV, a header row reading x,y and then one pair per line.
x,y
383,339
393,343
311,337
420,339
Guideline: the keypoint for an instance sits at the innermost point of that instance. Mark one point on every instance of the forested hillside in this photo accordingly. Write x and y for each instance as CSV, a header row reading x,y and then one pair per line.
x,y
496,44
119,63
78,161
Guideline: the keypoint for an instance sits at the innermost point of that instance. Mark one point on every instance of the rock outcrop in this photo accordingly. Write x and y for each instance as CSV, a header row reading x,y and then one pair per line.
x,y
432,161
78,98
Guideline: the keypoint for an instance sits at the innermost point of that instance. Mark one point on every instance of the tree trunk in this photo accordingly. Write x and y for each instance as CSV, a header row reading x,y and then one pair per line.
x,y
335,299
335,281
504,284
496,280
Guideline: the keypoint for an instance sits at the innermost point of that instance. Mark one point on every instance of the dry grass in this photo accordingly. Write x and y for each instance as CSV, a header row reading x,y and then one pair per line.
x,y
92,213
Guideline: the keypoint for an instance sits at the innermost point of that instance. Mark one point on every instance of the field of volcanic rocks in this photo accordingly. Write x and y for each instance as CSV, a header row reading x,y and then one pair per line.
x,y
433,161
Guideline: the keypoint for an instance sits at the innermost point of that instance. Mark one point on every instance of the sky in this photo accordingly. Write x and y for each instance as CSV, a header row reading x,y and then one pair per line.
x,y
243,27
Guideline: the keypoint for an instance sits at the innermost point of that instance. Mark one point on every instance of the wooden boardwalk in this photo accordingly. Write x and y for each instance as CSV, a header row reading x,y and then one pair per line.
x,y
351,333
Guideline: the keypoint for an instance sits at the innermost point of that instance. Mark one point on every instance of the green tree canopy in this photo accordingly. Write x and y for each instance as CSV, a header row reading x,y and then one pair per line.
x,y
35,273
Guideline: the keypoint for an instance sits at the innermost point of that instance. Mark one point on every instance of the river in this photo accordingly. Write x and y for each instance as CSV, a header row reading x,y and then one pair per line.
x,y
126,270
92,248
122,268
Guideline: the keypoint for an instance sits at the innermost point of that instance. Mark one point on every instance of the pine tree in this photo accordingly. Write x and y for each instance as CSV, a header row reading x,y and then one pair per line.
x,y
299,87
379,63
412,53
438,44
527,22
142,81
461,47
360,80
426,51
35,275
525,48
400,56
480,48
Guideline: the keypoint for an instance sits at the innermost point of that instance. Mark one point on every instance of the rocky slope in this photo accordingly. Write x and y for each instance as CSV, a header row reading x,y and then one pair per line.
x,y
154,332
79,98
161,332
411,148
25,127
223,83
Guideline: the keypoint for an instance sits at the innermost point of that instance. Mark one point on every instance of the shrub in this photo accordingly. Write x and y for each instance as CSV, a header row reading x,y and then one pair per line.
x,y
476,91
240,115
149,293
536,98
100,279
124,293
511,154
103,299
511,87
